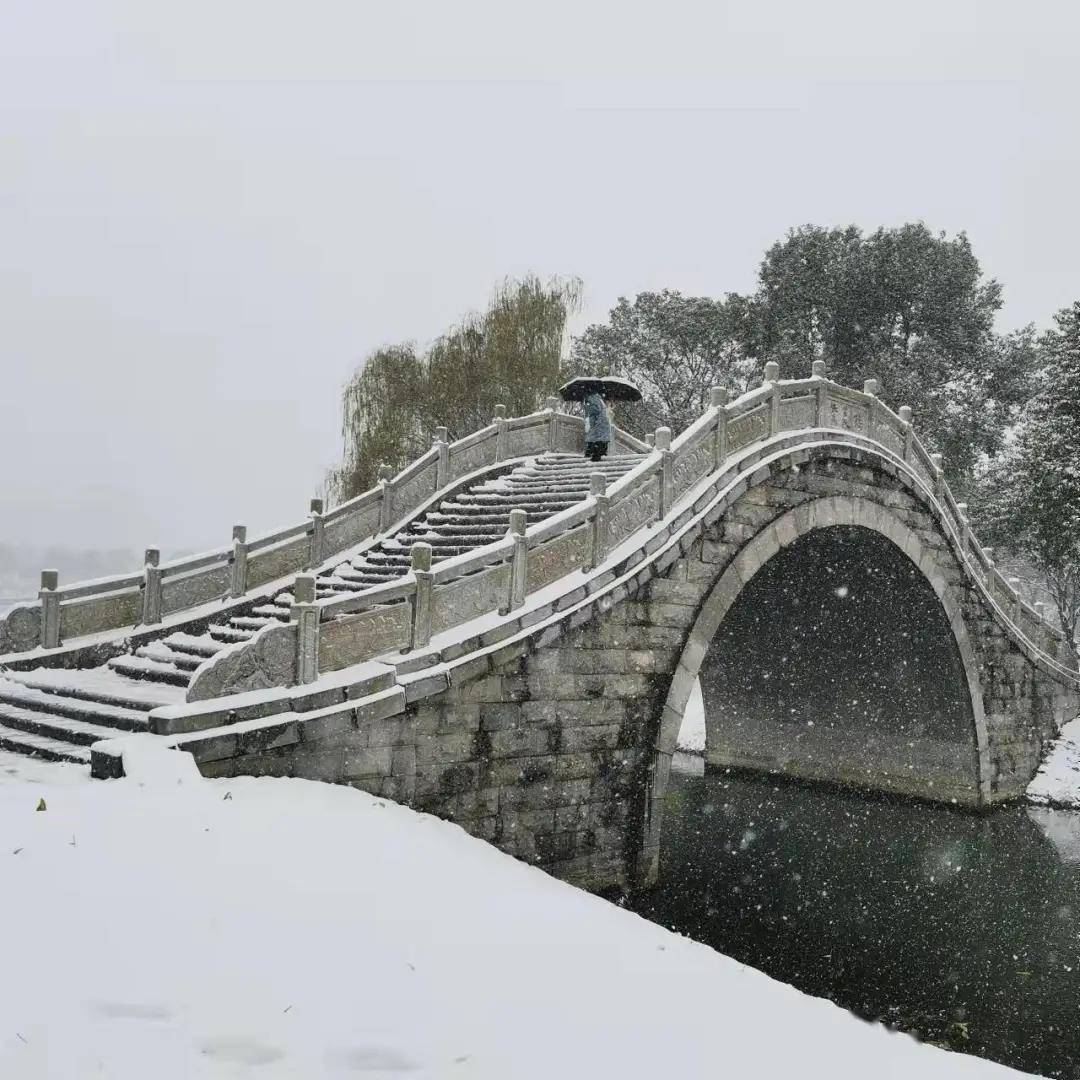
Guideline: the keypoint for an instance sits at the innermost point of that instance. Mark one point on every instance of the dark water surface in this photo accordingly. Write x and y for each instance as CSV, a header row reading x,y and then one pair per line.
x,y
964,930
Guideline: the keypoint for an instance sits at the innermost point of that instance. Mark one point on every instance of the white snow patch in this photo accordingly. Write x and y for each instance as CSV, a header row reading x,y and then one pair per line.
x,y
691,736
1061,828
148,759
284,928
1057,783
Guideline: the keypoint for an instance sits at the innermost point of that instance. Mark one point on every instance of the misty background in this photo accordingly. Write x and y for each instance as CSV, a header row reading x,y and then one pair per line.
x,y
210,213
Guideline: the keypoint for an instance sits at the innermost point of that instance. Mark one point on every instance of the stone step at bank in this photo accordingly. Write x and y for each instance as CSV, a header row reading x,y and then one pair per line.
x,y
57,714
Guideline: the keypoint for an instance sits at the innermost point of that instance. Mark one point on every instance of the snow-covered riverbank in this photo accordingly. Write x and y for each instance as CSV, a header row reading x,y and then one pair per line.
x,y
1057,783
280,928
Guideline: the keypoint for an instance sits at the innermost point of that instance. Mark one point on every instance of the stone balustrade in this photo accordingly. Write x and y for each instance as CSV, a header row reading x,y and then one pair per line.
x,y
496,578
160,590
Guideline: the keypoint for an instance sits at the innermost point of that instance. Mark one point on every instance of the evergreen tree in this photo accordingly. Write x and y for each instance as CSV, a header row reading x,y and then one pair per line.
x,y
1029,499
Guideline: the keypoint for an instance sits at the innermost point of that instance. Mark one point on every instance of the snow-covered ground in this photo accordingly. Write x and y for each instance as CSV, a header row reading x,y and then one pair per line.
x,y
181,927
1057,783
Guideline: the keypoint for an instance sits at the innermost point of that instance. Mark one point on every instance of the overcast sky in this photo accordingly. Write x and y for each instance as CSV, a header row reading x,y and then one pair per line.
x,y
210,211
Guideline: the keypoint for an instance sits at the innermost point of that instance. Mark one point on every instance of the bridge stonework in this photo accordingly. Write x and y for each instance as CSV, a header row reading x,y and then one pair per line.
x,y
557,747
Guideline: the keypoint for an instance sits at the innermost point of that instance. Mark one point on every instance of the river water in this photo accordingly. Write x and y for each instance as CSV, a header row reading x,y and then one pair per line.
x,y
963,930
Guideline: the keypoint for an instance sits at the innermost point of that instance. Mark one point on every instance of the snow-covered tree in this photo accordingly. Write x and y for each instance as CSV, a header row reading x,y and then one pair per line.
x,y
674,348
1029,498
908,307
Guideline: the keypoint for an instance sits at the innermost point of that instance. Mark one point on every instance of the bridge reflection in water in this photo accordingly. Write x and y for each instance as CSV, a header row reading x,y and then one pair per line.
x,y
961,928
837,662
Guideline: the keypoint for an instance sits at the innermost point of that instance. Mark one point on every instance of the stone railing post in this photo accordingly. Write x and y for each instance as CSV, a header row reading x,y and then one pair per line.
x,y
519,561
988,579
442,464
663,444
552,406
937,467
420,556
871,388
238,570
151,595
1018,600
305,613
965,530
500,432
50,609
315,537
772,378
718,397
821,392
596,552
651,440
904,413
386,498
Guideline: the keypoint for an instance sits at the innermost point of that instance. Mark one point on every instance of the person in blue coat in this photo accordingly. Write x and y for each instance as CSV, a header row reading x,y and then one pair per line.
x,y
597,426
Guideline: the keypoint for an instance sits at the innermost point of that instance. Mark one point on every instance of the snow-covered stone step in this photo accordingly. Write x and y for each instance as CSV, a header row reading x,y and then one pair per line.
x,y
250,622
161,654
491,498
97,712
138,667
578,489
21,742
60,728
493,517
229,634
99,685
277,612
203,646
337,588
382,558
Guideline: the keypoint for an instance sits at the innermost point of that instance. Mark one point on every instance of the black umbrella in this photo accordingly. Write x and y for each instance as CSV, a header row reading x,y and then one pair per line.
x,y
608,385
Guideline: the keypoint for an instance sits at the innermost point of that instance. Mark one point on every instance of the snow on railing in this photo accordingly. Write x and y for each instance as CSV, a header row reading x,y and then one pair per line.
x,y
498,577
64,612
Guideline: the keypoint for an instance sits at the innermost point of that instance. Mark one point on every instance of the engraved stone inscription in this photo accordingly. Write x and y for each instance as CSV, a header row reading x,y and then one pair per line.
x,y
846,415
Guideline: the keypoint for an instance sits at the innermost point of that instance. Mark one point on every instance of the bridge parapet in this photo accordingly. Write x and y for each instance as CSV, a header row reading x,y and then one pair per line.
x,y
163,589
487,582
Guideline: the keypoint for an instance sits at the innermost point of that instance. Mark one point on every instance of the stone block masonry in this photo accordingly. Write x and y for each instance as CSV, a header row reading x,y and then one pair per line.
x,y
557,749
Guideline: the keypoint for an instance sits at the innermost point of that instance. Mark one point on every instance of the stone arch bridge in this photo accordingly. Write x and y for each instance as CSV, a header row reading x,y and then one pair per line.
x,y
508,637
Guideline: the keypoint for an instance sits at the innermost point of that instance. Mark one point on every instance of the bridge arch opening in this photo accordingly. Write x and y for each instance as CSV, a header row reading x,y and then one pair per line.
x,y
940,755
837,662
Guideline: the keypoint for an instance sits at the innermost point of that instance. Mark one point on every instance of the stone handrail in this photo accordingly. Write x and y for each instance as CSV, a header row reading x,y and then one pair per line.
x,y
163,589
498,577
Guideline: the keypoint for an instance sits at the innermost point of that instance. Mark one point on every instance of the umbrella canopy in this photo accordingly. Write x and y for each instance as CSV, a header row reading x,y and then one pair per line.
x,y
609,385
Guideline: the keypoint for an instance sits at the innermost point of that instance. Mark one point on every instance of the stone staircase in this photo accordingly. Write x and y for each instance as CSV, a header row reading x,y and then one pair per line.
x,y
57,713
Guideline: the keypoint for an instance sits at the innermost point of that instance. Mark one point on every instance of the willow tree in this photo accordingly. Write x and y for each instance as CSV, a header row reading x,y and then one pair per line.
x,y
509,354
